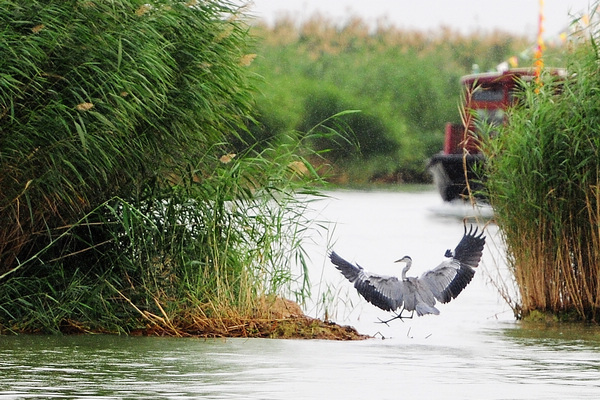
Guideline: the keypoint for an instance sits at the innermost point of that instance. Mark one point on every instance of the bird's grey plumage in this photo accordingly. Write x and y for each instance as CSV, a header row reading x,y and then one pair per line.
x,y
443,283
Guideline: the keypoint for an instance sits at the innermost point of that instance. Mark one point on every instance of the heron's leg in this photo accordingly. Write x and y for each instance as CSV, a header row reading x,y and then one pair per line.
x,y
388,320
397,316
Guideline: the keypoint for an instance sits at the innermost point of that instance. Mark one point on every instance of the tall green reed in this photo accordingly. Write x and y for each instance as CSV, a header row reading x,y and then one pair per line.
x,y
544,184
123,203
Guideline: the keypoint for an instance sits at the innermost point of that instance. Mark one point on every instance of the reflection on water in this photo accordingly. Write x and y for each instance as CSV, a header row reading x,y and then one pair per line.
x,y
586,335
489,364
562,357
472,350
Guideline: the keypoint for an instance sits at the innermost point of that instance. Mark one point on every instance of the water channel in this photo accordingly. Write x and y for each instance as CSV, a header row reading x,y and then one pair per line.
x,y
473,350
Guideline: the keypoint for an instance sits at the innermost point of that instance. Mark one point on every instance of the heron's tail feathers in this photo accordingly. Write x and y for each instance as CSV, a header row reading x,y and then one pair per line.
x,y
423,309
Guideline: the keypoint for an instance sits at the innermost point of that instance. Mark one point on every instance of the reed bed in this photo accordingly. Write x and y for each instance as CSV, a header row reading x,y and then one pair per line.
x,y
133,194
544,184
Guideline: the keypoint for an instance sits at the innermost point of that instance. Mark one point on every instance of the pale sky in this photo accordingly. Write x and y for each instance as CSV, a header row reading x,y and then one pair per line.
x,y
515,16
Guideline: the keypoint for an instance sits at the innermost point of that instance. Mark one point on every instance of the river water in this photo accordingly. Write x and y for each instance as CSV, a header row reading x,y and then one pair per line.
x,y
473,350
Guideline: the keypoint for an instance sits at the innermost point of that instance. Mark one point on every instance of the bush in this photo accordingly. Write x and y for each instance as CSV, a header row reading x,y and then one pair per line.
x,y
362,135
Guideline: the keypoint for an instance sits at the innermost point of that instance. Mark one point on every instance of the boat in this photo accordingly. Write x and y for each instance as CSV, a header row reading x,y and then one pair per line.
x,y
458,170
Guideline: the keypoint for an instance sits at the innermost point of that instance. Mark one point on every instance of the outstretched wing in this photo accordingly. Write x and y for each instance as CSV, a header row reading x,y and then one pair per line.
x,y
469,250
447,280
440,279
385,292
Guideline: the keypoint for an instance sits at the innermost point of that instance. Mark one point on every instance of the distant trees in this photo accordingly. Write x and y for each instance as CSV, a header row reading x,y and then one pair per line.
x,y
405,83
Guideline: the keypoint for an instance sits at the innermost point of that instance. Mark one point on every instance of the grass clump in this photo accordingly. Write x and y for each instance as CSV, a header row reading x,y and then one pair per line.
x,y
544,184
124,203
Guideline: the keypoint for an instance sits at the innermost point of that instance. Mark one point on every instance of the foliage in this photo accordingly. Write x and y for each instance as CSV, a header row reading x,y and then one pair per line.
x,y
544,184
405,83
122,203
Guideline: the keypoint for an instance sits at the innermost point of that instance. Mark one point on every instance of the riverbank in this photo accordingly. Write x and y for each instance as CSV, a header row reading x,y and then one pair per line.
x,y
274,318
287,328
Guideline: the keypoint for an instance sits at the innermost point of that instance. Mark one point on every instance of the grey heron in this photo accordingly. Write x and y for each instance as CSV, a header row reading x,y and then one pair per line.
x,y
443,283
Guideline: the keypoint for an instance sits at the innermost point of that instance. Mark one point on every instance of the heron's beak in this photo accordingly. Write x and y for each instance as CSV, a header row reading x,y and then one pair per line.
x,y
400,260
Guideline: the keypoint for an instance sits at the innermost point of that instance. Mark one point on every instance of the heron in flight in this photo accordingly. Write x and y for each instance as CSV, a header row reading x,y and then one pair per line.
x,y
443,283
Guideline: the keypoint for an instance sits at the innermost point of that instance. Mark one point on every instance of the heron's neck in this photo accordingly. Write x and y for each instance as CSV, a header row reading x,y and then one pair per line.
x,y
405,269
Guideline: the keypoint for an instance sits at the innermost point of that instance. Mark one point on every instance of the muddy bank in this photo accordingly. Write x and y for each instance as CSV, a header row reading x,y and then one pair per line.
x,y
274,317
287,328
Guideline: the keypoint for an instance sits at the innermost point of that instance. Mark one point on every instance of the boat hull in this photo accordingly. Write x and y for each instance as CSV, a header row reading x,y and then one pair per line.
x,y
451,172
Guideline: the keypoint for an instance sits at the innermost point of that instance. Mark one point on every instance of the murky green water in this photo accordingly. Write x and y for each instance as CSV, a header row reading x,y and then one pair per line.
x,y
472,350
